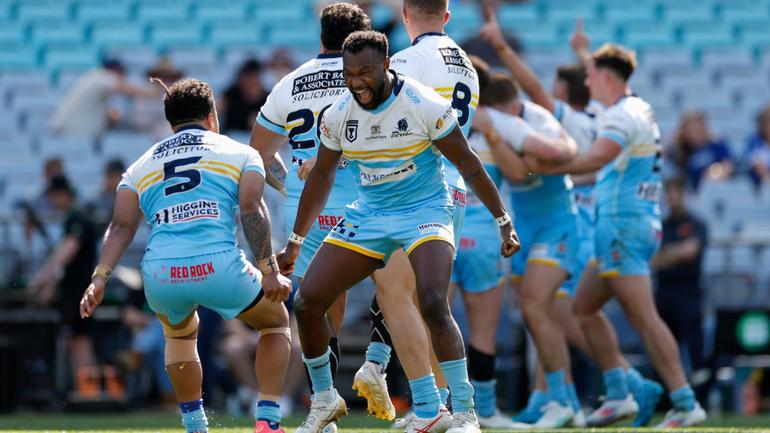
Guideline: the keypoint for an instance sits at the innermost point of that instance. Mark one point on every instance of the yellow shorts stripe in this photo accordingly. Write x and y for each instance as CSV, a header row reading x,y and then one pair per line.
x,y
429,238
544,261
357,248
612,273
516,278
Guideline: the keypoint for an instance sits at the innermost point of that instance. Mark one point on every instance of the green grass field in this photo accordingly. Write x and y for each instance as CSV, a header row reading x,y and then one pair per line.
x,y
220,423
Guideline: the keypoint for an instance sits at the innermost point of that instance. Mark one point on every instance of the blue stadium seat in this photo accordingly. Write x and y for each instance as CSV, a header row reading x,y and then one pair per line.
x,y
30,10
137,58
158,13
570,10
755,38
175,35
12,32
716,37
728,60
117,34
622,12
127,145
70,57
97,12
279,14
286,37
226,34
218,11
46,34
72,149
194,58
646,41
513,13
17,56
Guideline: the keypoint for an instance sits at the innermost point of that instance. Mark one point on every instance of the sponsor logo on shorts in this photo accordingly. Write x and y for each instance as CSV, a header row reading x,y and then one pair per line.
x,y
190,274
187,212
343,231
648,191
378,176
467,243
328,222
435,228
459,197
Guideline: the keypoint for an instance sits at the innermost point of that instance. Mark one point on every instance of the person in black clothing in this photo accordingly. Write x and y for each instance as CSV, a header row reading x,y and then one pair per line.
x,y
239,105
678,265
68,270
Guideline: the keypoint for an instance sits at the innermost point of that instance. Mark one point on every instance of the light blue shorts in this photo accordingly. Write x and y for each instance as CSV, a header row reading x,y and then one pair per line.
x,y
479,265
626,244
549,241
377,235
321,227
224,282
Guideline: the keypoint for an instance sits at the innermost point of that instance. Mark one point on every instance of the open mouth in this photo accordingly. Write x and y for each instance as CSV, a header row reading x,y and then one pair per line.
x,y
365,96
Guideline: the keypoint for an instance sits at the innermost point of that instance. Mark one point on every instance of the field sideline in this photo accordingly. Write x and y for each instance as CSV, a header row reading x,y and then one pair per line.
x,y
357,422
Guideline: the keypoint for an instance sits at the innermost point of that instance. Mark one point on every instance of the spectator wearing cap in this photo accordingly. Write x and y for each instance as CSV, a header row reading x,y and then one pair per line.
x,y
757,156
67,270
85,111
239,105
100,206
696,154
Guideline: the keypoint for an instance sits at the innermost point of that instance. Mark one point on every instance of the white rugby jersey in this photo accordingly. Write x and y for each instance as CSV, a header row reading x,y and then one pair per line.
x,y
390,148
188,191
435,60
580,125
294,108
630,184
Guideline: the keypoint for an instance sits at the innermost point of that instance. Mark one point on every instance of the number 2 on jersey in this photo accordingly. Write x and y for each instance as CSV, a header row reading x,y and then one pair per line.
x,y
308,121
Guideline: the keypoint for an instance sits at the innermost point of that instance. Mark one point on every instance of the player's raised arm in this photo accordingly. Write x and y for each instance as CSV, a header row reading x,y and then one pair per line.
x,y
455,147
529,82
125,220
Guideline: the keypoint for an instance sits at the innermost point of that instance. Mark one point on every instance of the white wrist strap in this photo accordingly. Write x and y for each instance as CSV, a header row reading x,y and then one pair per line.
x,y
503,220
297,239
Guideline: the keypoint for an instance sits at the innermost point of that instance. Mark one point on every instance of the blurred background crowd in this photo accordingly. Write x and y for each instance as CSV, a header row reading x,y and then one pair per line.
x,y
78,108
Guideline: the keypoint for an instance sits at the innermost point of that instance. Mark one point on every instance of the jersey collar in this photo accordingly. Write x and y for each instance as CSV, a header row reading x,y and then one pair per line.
x,y
185,128
329,56
425,35
397,85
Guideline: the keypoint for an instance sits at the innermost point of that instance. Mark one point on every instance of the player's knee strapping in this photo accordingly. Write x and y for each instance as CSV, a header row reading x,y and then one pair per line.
x,y
179,349
283,330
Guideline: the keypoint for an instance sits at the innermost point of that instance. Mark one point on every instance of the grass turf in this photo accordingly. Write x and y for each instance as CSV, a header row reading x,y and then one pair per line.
x,y
357,422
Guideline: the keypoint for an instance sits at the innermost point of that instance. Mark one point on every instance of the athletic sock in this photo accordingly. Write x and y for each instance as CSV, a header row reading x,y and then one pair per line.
x,y
378,353
193,416
683,398
425,396
444,394
536,400
486,400
320,371
456,373
573,397
615,384
556,390
635,381
270,411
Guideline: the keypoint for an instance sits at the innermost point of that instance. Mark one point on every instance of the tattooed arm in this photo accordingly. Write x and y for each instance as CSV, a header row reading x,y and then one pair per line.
x,y
256,228
267,143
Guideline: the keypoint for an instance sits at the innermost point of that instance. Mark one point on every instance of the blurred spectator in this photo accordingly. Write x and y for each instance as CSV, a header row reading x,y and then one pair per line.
x,y
696,154
39,203
757,157
147,115
100,206
84,110
239,105
280,64
477,46
678,266
67,272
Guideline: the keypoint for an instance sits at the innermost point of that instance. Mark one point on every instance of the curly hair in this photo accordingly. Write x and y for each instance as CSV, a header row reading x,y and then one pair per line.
x,y
187,100
357,41
338,21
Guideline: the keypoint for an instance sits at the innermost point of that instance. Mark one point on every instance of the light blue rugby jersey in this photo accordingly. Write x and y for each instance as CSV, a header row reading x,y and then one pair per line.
x,y
630,184
188,191
542,195
294,109
390,148
435,60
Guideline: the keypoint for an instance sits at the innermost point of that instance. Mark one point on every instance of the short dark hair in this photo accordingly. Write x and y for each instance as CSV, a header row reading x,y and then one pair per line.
x,y
187,100
616,58
60,183
501,89
482,70
338,21
357,41
115,166
575,78
433,8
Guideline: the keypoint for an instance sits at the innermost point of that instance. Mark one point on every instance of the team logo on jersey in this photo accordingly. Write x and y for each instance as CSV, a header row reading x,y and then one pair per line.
x,y
376,129
402,128
351,130
187,212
